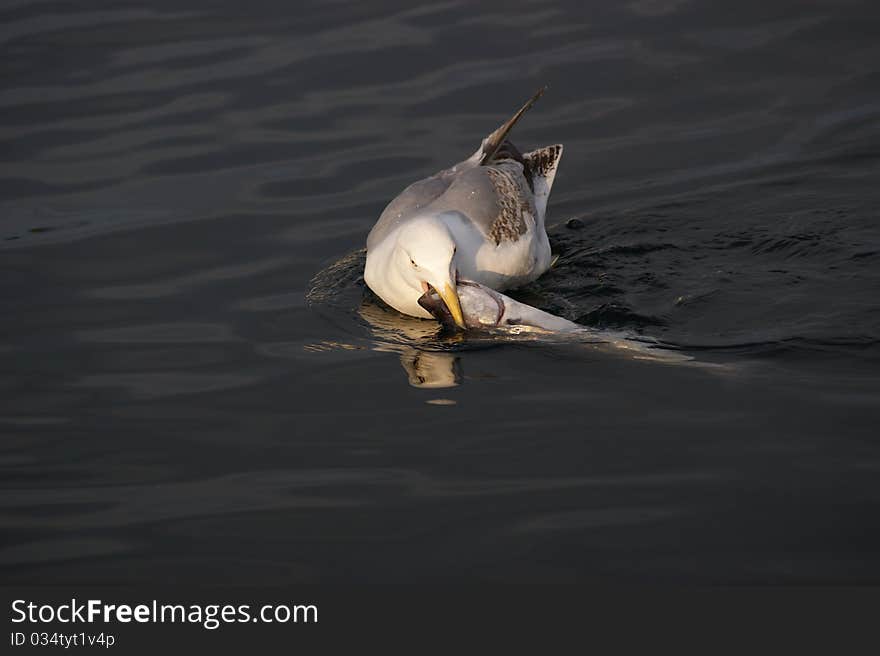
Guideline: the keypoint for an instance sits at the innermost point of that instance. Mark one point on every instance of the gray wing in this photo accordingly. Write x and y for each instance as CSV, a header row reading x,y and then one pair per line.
x,y
497,199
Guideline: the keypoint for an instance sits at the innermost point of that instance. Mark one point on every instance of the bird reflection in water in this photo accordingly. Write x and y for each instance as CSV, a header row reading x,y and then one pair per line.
x,y
424,347
431,370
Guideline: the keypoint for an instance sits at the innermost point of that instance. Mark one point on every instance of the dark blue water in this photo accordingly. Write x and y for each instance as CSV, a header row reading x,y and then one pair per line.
x,y
176,178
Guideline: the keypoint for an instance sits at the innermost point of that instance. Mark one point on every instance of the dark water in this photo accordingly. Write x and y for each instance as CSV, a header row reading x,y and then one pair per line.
x,y
173,409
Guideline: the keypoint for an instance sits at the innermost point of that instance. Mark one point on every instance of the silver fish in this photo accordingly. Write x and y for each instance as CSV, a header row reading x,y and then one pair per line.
x,y
483,307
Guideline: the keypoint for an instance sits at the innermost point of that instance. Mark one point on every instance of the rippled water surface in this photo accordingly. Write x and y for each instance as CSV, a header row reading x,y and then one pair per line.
x,y
194,385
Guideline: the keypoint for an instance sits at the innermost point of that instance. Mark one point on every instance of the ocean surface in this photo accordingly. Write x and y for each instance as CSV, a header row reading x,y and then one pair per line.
x,y
195,386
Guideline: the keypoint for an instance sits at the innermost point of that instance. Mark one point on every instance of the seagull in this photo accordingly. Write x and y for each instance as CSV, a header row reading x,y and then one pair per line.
x,y
481,220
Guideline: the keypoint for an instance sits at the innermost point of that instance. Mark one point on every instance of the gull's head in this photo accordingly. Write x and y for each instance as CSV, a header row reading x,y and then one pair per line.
x,y
424,257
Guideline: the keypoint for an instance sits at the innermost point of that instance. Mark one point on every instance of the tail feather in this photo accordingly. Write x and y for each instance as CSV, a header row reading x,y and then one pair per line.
x,y
493,142
542,164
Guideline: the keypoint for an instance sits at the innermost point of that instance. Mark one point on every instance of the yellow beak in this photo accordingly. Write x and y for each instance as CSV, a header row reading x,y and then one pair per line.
x,y
450,297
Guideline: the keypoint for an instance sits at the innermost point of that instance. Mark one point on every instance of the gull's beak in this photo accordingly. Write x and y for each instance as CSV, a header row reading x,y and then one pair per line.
x,y
450,296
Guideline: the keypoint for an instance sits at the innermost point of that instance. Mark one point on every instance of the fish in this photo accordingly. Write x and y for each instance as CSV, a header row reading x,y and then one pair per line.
x,y
483,308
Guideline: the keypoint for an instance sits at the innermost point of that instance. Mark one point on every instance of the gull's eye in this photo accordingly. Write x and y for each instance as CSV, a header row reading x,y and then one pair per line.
x,y
413,262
